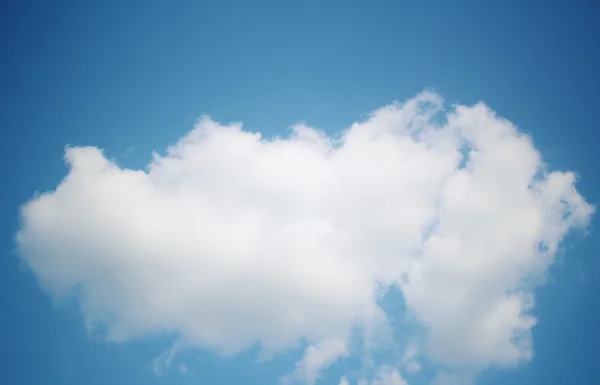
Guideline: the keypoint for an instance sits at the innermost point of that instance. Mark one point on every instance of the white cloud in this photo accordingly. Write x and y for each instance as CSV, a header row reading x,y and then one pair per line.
x,y
163,363
409,359
385,376
231,240
317,357
388,376
464,378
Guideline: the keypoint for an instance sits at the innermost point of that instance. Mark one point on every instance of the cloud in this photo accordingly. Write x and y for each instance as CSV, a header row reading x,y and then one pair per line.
x,y
318,357
385,376
231,240
389,376
409,359
163,363
464,378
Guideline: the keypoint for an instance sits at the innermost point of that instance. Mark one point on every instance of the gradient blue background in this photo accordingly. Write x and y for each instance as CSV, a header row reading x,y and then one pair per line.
x,y
139,73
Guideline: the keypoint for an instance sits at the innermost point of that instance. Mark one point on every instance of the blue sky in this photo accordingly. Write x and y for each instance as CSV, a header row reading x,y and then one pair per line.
x,y
134,77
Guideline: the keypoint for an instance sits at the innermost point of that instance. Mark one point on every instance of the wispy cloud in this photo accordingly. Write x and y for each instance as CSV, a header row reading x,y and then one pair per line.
x,y
163,363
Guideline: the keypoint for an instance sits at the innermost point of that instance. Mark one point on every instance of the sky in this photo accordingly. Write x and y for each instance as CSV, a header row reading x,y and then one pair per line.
x,y
277,192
